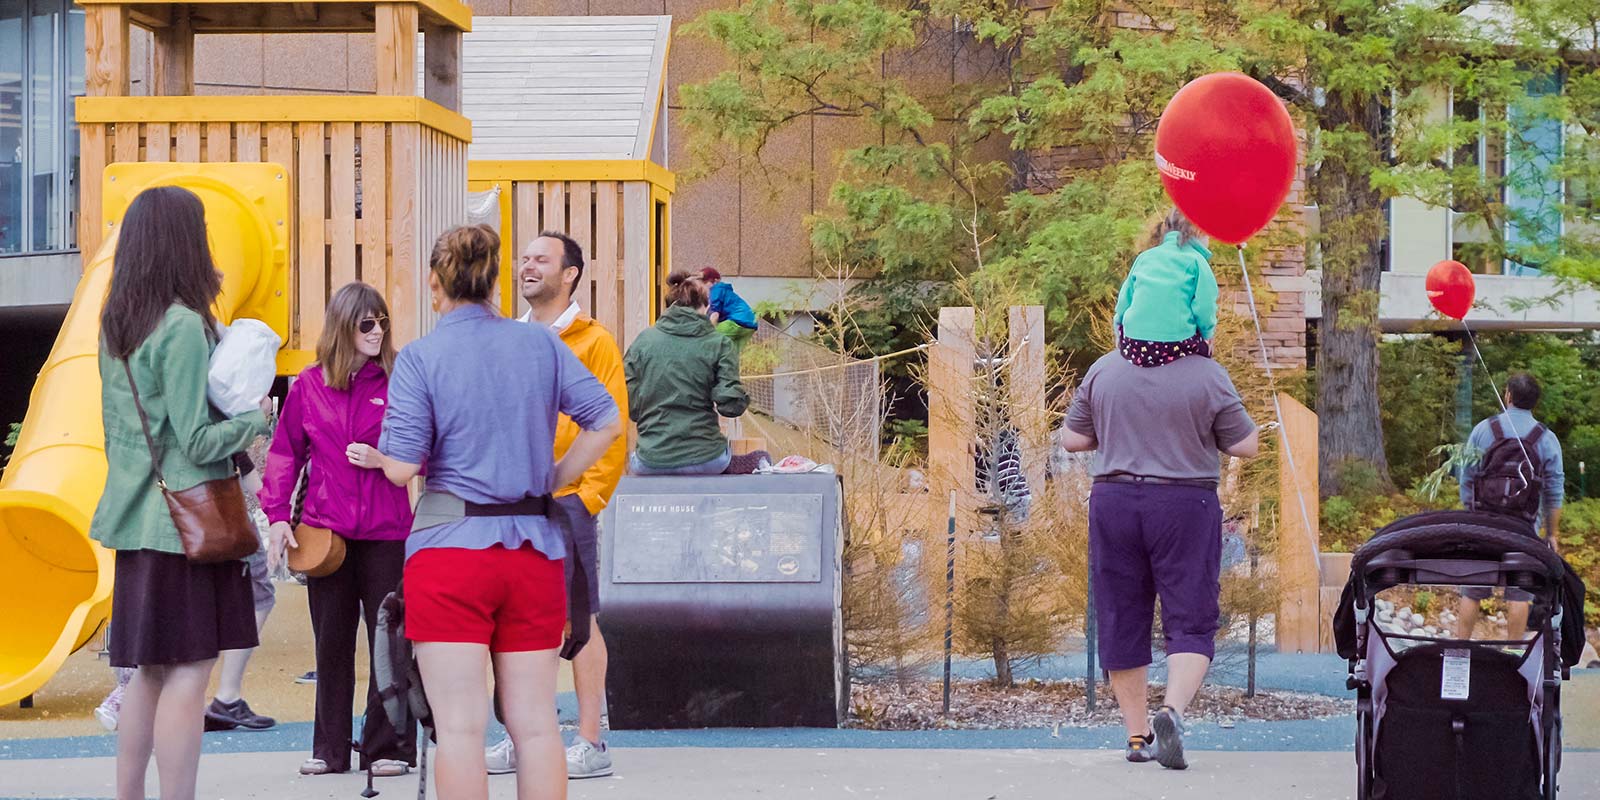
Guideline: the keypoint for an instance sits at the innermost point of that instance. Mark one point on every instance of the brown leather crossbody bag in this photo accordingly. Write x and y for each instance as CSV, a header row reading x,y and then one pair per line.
x,y
211,519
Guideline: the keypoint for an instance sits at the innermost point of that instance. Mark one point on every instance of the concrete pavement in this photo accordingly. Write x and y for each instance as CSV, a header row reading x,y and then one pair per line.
x,y
671,773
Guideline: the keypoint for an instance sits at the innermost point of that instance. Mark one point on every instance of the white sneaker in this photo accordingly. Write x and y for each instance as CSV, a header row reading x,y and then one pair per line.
x,y
107,717
502,757
584,760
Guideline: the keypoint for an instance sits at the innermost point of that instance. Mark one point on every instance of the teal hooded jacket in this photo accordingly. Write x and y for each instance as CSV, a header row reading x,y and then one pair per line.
x,y
1170,293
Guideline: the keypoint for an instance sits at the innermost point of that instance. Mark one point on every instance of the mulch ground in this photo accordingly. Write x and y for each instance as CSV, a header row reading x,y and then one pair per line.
x,y
980,705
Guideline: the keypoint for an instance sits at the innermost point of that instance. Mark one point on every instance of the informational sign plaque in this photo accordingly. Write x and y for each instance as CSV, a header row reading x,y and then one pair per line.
x,y
717,538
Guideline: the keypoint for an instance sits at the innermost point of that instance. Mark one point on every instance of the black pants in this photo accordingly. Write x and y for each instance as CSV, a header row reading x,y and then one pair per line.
x,y
371,570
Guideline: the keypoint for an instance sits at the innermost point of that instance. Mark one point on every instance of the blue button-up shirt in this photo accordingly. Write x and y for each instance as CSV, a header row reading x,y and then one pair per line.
x,y
1519,423
476,401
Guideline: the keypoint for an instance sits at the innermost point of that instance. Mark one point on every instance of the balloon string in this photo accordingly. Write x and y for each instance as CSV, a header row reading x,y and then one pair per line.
x,y
1487,373
1277,409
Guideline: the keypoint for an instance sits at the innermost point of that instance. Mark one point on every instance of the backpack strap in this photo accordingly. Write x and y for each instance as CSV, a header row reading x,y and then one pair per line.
x,y
1534,435
1496,428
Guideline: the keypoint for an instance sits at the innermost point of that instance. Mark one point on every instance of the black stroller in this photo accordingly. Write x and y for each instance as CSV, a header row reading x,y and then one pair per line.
x,y
1457,719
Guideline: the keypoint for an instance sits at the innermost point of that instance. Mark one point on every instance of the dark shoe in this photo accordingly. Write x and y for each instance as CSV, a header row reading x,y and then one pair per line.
x,y
309,677
1140,748
1169,738
222,716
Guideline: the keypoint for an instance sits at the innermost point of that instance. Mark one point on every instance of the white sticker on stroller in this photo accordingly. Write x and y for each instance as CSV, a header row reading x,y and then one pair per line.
x,y
1457,675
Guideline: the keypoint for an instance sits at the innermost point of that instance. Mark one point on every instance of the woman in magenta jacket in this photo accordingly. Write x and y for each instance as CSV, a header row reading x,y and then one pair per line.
x,y
331,421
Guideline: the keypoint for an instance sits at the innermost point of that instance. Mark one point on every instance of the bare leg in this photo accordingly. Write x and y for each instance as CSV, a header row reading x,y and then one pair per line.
x,y
136,731
455,675
1132,688
178,726
1516,620
1467,612
527,684
1185,673
589,681
230,680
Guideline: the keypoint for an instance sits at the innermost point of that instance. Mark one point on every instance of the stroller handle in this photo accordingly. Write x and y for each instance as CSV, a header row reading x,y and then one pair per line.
x,y
1520,570
1462,542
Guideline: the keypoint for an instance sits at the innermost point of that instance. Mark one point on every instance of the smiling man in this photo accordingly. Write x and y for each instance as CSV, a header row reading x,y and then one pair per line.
x,y
548,272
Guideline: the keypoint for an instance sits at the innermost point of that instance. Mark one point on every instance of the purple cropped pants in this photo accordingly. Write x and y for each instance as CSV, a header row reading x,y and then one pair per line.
x,y
1148,541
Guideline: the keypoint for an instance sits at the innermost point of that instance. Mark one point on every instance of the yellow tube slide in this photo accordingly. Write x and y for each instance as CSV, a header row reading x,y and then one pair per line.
x,y
55,582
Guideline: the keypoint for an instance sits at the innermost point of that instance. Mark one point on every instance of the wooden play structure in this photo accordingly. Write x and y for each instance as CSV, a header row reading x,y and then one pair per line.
x,y
570,128
304,194
373,179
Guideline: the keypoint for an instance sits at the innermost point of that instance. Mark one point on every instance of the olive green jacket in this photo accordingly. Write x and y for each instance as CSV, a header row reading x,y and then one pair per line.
x,y
170,368
681,375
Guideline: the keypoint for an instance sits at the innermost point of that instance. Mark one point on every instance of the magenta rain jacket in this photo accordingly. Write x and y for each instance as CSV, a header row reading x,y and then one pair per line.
x,y
317,424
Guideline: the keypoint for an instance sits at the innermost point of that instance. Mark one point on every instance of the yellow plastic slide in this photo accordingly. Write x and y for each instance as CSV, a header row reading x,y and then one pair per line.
x,y
55,582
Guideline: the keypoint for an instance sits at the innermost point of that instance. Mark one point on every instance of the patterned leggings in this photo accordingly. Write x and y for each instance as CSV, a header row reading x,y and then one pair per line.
x,y
1146,353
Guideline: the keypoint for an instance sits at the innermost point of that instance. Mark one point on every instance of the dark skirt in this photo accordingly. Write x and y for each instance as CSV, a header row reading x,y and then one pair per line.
x,y
166,610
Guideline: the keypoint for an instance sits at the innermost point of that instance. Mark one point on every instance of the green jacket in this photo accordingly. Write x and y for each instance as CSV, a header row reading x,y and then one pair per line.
x,y
681,374
170,368
1170,293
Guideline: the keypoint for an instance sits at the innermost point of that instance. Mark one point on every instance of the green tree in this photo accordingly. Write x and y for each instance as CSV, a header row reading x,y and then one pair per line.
x,y
1377,72
1032,165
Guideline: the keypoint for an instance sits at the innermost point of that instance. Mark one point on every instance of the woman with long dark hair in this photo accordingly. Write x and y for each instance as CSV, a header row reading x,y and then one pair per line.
x,y
331,421
173,616
483,575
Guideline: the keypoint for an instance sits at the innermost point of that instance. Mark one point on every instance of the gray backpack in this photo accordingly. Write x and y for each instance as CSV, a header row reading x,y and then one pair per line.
x,y
405,703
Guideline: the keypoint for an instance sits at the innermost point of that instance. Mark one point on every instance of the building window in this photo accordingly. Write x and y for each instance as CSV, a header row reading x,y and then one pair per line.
x,y
41,72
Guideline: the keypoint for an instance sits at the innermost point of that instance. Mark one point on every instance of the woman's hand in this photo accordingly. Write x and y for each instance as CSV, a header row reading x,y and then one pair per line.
x,y
364,456
268,406
279,536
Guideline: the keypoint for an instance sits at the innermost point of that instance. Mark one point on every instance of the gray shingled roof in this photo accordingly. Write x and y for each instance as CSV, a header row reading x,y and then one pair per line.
x,y
560,88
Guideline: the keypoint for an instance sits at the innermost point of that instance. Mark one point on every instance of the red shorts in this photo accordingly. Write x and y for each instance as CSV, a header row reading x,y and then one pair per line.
x,y
511,600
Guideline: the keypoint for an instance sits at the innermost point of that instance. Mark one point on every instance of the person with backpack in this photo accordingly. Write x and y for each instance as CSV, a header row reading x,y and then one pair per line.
x,y
1519,475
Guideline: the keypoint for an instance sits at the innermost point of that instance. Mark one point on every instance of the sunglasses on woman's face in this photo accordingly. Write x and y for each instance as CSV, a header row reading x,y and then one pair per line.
x,y
369,323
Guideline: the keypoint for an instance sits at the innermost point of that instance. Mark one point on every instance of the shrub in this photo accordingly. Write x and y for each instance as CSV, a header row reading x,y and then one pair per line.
x,y
1580,546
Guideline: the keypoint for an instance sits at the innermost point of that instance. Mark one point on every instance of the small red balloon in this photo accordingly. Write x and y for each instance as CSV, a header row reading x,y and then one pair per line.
x,y
1225,147
1450,288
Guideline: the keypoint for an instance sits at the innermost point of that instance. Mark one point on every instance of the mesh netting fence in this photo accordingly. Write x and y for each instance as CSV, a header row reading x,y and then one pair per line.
x,y
826,394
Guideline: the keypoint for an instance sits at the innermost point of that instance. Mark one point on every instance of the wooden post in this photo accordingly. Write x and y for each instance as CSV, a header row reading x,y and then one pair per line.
x,y
313,265
636,277
952,415
105,38
441,53
605,263
1299,606
172,59
397,49
1026,391
524,226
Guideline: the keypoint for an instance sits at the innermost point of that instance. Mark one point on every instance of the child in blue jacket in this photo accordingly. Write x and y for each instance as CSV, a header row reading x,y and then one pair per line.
x,y
729,312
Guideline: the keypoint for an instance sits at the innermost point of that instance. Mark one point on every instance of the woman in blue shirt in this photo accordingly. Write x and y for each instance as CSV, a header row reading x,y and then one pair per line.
x,y
476,400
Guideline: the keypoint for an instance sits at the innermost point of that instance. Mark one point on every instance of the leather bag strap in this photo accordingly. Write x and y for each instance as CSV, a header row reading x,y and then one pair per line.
x,y
144,423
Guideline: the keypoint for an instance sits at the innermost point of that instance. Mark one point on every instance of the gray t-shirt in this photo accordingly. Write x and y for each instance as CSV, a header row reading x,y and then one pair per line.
x,y
1159,422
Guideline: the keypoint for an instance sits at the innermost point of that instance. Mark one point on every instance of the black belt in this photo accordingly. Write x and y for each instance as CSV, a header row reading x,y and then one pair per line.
x,y
1123,477
526,507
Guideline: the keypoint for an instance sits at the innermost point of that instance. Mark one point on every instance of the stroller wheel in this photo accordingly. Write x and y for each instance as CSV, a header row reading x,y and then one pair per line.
x,y
1363,756
1552,762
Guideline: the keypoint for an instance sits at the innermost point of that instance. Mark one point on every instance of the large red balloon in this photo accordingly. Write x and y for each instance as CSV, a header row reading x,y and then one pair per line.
x,y
1226,150
1450,288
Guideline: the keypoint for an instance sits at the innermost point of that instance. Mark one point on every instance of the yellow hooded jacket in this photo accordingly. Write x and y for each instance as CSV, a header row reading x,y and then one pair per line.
x,y
595,347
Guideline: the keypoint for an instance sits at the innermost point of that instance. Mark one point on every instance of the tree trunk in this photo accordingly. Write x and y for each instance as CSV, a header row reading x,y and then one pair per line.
x,y
1350,428
999,643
